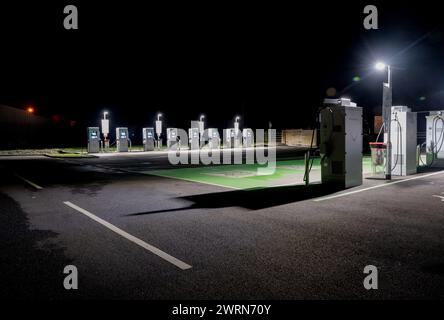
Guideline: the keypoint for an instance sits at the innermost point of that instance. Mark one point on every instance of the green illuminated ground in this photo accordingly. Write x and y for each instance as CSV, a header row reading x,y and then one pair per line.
x,y
245,176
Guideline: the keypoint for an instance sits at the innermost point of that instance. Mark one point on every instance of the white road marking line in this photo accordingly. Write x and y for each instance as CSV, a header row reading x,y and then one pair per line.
x,y
180,264
441,197
377,186
28,182
187,179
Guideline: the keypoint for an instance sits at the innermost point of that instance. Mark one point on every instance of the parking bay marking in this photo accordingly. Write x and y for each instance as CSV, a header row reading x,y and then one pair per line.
x,y
32,184
178,263
377,186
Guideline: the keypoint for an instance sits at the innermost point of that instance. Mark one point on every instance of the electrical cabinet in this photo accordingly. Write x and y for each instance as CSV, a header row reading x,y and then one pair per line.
x,y
171,137
228,136
193,136
435,136
93,140
213,138
148,139
341,143
247,137
403,141
122,139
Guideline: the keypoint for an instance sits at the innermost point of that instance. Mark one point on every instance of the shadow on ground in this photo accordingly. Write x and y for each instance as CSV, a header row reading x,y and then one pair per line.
x,y
253,199
434,268
262,198
81,178
29,268
32,263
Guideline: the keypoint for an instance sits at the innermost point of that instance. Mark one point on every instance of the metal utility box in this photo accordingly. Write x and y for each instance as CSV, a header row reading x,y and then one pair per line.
x,y
248,138
122,139
403,140
213,138
93,139
148,139
171,137
159,133
341,143
193,137
435,136
158,128
105,127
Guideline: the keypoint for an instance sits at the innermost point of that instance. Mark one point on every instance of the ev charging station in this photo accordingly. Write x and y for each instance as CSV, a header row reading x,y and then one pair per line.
x,y
148,139
247,136
403,140
435,137
93,140
228,136
122,139
193,140
171,137
193,136
213,138
341,143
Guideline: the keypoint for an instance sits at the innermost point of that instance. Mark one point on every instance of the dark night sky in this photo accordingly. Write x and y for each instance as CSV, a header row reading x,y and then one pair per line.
x,y
264,61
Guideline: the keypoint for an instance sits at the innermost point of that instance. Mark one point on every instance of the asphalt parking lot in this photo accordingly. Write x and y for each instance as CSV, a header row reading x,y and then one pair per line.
x,y
134,235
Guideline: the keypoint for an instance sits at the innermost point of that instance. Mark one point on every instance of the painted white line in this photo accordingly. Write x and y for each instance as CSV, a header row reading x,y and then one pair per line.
x,y
377,186
187,179
32,184
180,264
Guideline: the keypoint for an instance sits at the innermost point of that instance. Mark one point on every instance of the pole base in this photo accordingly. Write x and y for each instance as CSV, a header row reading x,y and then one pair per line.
x,y
388,177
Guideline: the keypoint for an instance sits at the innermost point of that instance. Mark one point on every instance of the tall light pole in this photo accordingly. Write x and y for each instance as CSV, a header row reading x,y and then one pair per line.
x,y
387,116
